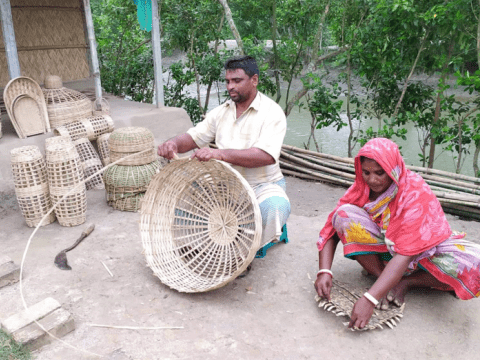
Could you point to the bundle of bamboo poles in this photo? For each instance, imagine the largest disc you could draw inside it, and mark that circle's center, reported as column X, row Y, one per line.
column 458, row 194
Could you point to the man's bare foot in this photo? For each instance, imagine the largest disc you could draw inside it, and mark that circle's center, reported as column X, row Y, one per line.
column 397, row 294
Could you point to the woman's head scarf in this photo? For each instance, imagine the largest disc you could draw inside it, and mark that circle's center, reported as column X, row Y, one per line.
column 417, row 221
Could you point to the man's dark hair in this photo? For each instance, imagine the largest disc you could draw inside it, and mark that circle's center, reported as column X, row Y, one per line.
column 244, row 62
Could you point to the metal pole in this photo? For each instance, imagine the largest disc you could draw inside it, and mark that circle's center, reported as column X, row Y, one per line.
column 157, row 55
column 93, row 52
column 9, row 39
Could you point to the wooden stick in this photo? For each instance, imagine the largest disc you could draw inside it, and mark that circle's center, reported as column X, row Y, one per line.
column 105, row 266
column 328, row 163
column 314, row 153
column 137, row 327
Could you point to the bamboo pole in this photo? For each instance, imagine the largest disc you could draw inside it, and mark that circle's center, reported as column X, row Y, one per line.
column 317, row 174
column 314, row 153
column 327, row 163
column 93, row 51
column 9, row 39
column 157, row 55
column 316, row 167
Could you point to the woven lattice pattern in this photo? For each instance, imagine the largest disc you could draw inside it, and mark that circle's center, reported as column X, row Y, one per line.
column 344, row 296
column 139, row 159
column 126, row 185
column 26, row 107
column 50, row 39
column 31, row 184
column 91, row 163
column 131, row 139
column 200, row 225
column 65, row 172
column 66, row 105
column 91, row 127
column 103, row 149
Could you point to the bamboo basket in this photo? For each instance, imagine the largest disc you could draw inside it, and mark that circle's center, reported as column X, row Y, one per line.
column 31, row 184
column 65, row 172
column 26, row 107
column 91, row 127
column 91, row 163
column 101, row 107
column 103, row 150
column 64, row 105
column 124, row 182
column 200, row 225
column 130, row 140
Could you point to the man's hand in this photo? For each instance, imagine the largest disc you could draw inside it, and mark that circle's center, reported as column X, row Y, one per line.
column 205, row 154
column 361, row 313
column 167, row 150
column 323, row 285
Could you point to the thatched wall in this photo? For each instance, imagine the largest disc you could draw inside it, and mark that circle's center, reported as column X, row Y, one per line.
column 51, row 39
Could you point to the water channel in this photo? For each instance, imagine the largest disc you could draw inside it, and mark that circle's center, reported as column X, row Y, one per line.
column 334, row 142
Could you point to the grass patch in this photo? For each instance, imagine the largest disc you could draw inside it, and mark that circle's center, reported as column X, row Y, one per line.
column 10, row 350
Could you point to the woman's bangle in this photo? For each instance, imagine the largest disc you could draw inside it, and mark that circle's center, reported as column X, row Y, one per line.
column 371, row 298
column 328, row 271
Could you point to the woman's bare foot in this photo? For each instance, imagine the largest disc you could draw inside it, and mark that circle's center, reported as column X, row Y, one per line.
column 397, row 294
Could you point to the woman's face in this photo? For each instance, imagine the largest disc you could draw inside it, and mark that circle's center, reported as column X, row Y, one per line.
column 376, row 178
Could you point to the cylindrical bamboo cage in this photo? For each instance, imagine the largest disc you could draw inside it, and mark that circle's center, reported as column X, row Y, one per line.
column 90, row 127
column 128, row 182
column 65, row 172
column 31, row 184
column 129, row 140
column 64, row 105
column 103, row 149
column 200, row 225
column 91, row 163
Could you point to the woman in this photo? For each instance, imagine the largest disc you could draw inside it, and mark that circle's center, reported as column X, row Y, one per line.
column 394, row 226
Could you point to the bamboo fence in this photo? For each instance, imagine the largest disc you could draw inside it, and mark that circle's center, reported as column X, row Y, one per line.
column 458, row 194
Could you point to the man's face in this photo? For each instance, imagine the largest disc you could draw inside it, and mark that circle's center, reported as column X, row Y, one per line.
column 240, row 86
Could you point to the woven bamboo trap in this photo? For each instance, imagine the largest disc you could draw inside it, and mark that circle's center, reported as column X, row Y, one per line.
column 90, row 127
column 26, row 107
column 103, row 149
column 91, row 163
column 200, row 225
column 64, row 105
column 65, row 172
column 126, row 185
column 343, row 297
column 31, row 184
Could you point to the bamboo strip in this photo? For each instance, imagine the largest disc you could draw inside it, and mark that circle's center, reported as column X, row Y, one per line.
column 316, row 167
column 318, row 175
column 349, row 169
column 314, row 153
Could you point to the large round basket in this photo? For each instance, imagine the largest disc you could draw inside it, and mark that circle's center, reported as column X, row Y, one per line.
column 200, row 225
column 130, row 140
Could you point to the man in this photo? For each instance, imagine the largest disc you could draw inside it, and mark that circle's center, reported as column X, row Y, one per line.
column 248, row 130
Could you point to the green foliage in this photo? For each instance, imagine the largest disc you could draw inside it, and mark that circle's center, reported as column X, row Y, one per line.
column 175, row 94
column 10, row 350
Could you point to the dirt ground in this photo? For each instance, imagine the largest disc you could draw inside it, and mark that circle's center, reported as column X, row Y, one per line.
column 269, row 314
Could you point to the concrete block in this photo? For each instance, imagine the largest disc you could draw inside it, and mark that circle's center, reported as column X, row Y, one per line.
column 25, row 317
column 9, row 271
column 58, row 323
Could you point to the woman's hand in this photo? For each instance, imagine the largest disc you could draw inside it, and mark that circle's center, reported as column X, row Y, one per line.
column 361, row 313
column 323, row 285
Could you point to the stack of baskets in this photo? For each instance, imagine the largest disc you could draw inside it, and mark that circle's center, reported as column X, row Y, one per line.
column 126, row 182
column 65, row 176
column 31, row 184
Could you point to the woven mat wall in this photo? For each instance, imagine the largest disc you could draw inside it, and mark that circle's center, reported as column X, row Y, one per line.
column 50, row 38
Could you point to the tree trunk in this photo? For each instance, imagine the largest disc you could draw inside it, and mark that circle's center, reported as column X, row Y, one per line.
column 275, row 54
column 349, row 115
column 215, row 51
column 475, row 161
column 397, row 107
column 231, row 23
column 431, row 154
column 311, row 66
